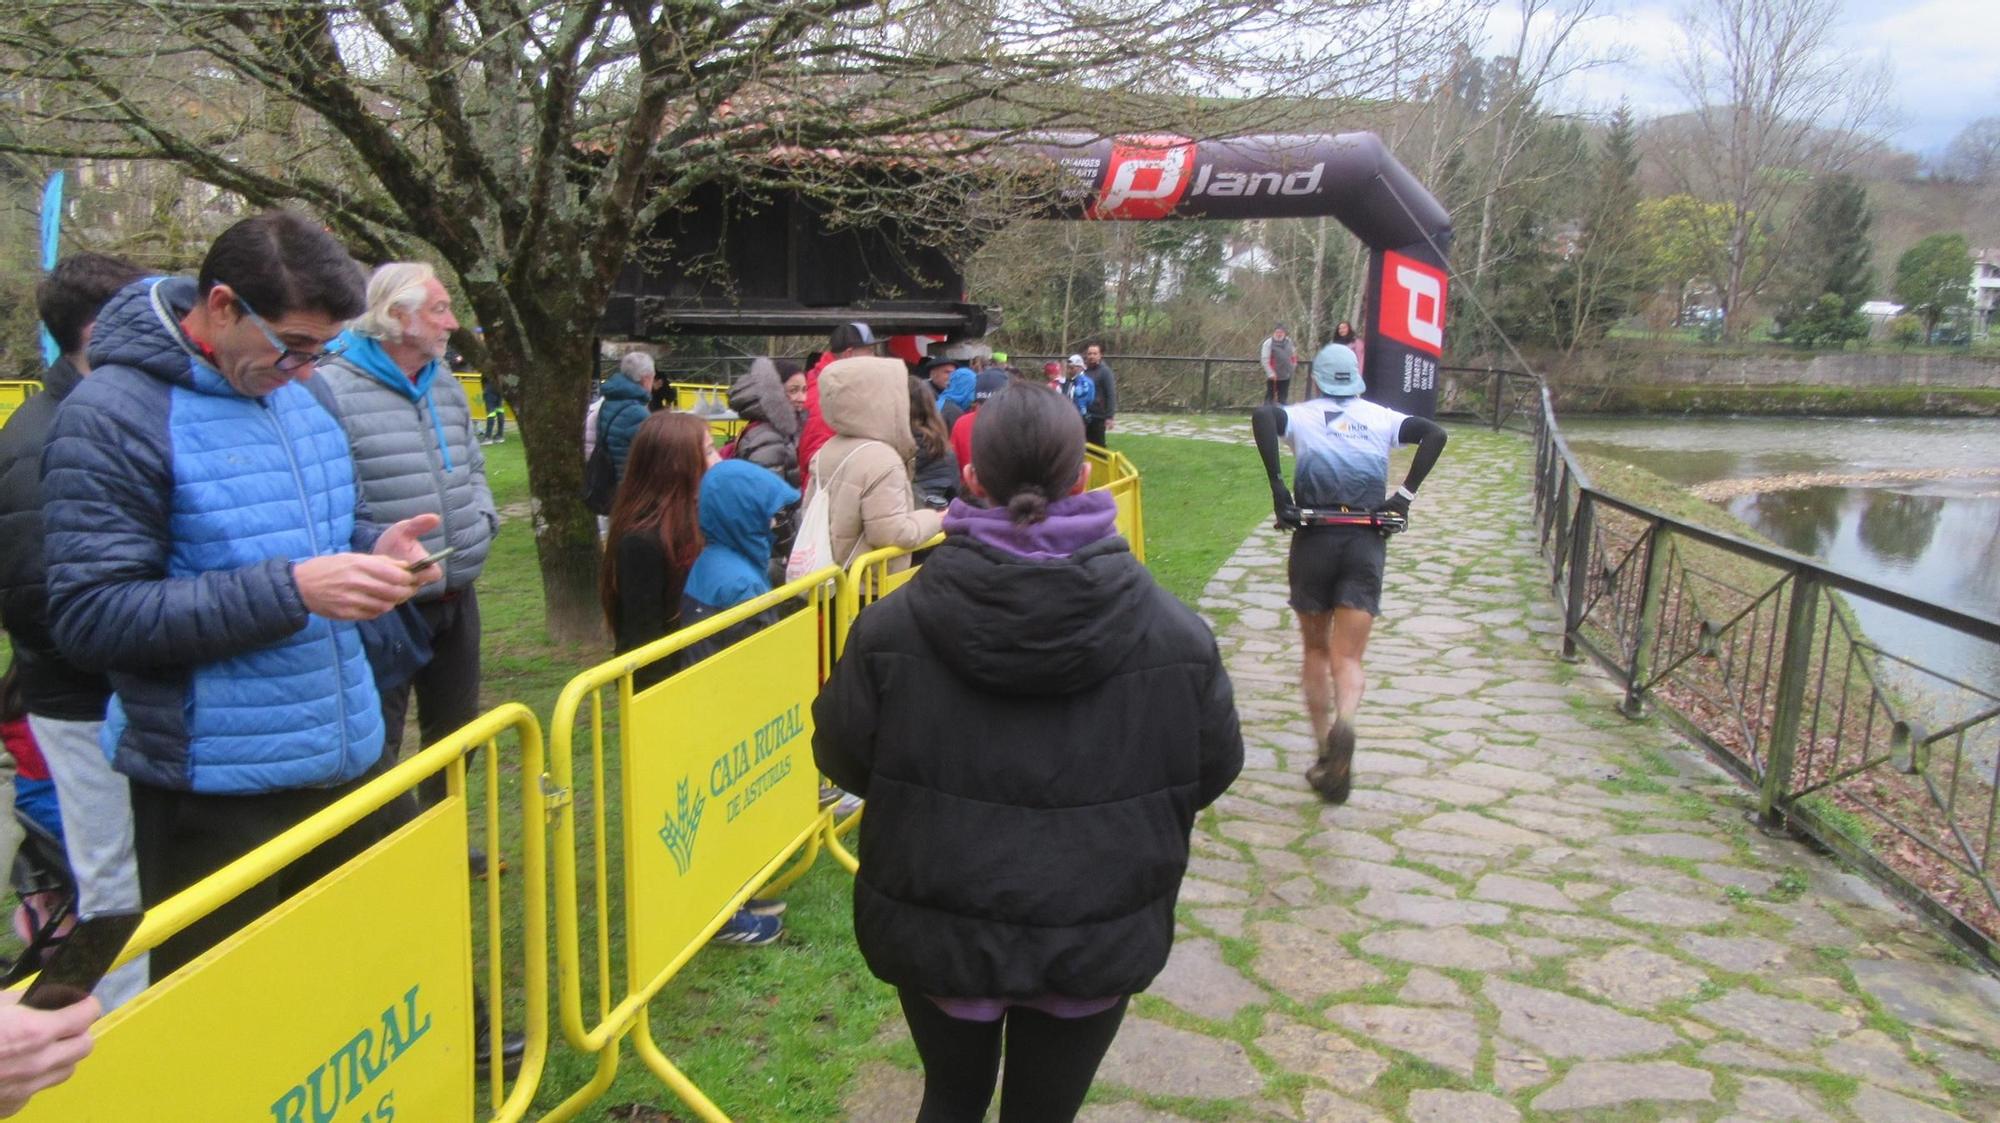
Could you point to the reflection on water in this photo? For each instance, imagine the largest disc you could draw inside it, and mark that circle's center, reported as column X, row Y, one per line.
column 1897, row 527
column 1939, row 539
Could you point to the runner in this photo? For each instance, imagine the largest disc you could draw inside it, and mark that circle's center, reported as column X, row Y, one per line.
column 1341, row 443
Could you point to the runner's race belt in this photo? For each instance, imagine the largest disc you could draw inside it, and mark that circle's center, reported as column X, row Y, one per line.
column 1385, row 522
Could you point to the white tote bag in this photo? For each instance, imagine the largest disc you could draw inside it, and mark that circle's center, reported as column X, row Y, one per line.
column 812, row 550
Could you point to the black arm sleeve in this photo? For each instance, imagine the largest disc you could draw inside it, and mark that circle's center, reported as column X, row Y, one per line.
column 1429, row 437
column 1221, row 734
column 643, row 610
column 1267, row 424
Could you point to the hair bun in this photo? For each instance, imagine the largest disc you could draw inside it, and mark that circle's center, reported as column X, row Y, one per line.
column 1029, row 505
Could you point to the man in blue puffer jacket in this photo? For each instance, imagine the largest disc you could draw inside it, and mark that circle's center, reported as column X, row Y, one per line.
column 207, row 549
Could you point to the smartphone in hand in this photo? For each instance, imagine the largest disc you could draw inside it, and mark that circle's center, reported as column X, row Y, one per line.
column 81, row 960
column 432, row 559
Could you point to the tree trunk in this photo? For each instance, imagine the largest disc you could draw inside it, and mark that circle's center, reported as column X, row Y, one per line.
column 555, row 387
column 1732, row 292
column 1119, row 239
column 1069, row 287
column 1313, row 334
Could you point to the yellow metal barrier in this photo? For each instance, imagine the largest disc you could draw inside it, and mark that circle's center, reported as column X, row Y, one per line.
column 380, row 1026
column 351, row 1001
column 1114, row 472
column 474, row 385
column 711, row 400
column 716, row 783
column 13, row 393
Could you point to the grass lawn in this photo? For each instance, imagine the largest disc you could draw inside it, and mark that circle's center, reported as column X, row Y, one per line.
column 777, row 1033
column 1202, row 499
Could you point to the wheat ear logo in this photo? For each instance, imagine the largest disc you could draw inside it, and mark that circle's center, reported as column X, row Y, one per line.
column 681, row 826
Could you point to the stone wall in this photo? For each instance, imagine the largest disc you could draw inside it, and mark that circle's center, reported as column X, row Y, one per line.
column 1859, row 370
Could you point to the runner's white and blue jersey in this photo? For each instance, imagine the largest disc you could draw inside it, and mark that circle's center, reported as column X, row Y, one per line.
column 1341, row 448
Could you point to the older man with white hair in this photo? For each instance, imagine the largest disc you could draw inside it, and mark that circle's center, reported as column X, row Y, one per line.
column 415, row 451
column 627, row 400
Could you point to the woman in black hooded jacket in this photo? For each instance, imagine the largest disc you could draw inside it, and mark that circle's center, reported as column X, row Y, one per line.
column 1034, row 723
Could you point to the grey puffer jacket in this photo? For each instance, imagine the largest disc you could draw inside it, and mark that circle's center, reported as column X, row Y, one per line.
column 415, row 451
column 772, row 439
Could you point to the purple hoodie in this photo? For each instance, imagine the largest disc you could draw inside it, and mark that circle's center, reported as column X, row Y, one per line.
column 1073, row 522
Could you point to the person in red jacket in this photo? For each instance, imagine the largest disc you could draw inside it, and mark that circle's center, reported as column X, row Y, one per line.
column 849, row 340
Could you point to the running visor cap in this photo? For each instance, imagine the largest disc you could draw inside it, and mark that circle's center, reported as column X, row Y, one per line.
column 1337, row 371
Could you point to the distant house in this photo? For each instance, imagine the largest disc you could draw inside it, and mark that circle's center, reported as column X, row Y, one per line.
column 1244, row 256
column 1985, row 291
column 1879, row 313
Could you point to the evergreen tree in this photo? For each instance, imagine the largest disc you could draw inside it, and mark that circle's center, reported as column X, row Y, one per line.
column 1617, row 202
column 1831, row 257
column 1605, row 276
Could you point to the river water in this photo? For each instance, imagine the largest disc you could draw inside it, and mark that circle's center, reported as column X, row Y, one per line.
column 1938, row 539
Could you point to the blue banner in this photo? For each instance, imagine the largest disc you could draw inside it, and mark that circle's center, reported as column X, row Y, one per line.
column 51, row 236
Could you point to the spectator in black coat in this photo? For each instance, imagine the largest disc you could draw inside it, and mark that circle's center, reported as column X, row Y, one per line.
column 1103, row 411
column 65, row 705
column 1034, row 723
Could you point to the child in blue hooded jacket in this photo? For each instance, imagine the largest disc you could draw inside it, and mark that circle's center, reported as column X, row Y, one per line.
column 737, row 503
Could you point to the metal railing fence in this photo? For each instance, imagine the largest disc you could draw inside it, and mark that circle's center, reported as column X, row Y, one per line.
column 1755, row 652
column 1187, row 383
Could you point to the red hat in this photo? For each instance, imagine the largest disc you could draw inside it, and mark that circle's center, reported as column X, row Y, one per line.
column 1052, row 368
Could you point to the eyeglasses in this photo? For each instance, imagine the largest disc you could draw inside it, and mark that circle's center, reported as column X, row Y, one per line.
column 288, row 359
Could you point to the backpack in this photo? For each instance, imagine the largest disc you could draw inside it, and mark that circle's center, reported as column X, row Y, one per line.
column 812, row 548
column 600, row 478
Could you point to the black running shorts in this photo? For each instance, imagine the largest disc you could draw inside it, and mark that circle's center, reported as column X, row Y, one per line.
column 1337, row 567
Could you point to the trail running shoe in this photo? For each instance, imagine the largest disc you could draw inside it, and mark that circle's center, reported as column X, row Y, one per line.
column 764, row 906
column 1333, row 775
column 748, row 930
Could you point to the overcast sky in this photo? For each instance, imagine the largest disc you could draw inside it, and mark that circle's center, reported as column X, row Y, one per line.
column 1944, row 57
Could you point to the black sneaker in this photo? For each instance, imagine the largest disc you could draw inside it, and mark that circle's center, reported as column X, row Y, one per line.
column 513, row 1044
column 1333, row 775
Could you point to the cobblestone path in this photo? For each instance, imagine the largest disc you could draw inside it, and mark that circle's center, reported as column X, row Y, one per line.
column 1531, row 908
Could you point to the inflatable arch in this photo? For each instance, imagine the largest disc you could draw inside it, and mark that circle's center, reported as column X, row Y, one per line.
column 1350, row 177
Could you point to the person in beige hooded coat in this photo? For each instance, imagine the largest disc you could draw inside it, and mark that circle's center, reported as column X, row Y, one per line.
column 866, row 466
